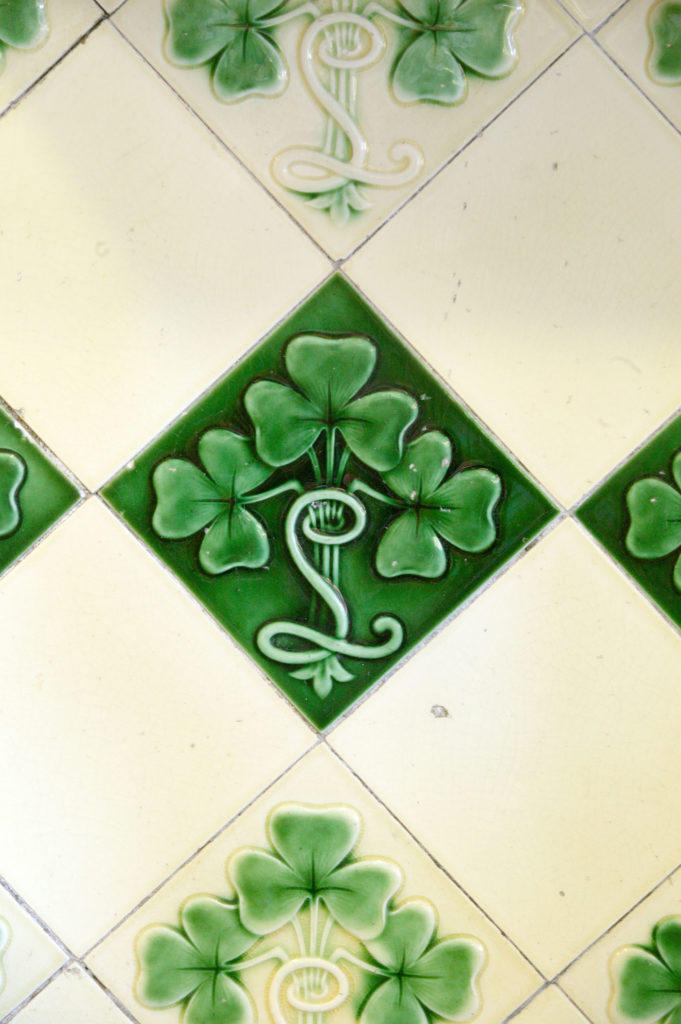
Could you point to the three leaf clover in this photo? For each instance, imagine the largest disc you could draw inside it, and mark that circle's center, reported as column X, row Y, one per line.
column 447, row 36
column 664, row 58
column 311, row 862
column 655, row 511
column 196, row 964
column 23, row 24
column 12, row 476
column 422, row 978
column 646, row 983
column 328, row 373
column 458, row 510
column 188, row 500
column 236, row 36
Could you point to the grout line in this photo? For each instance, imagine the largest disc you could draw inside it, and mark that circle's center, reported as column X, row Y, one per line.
column 572, row 1001
column 36, row 992
column 530, row 999
column 17, row 416
column 35, row 917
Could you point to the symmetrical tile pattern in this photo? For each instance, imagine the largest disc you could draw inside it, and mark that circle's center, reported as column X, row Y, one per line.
column 340, row 505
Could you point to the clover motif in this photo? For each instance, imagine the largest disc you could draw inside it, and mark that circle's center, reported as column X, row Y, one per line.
column 422, row 978
column 458, row 510
column 646, row 981
column 655, row 513
column 12, row 477
column 23, row 24
column 664, row 57
column 446, row 38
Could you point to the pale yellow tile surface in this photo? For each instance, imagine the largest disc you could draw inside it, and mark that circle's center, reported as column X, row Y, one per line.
column 131, row 242
column 129, row 717
column 627, row 38
column 72, row 998
column 547, row 296
column 68, row 21
column 28, row 956
column 590, row 13
column 542, row 677
column 506, row 980
column 296, row 120
column 550, row 1007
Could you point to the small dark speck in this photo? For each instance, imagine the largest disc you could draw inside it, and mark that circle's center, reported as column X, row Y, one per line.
column 555, row 165
column 438, row 711
column 465, row 206
column 560, row 892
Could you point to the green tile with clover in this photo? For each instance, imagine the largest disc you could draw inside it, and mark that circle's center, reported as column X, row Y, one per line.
column 34, row 493
column 636, row 515
column 329, row 502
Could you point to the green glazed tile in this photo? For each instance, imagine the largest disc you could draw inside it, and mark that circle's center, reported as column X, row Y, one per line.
column 664, row 58
column 33, row 493
column 329, row 502
column 23, row 25
column 646, row 979
column 636, row 514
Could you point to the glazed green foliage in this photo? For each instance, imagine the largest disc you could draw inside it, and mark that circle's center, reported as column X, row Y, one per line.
column 23, row 24
column 655, row 513
column 664, row 58
column 646, row 982
column 12, row 476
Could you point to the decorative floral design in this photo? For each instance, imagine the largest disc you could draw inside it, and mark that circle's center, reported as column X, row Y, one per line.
column 442, row 40
column 655, row 511
column 646, row 980
column 309, row 888
column 12, row 477
column 326, row 415
column 664, row 57
column 5, row 935
column 23, row 25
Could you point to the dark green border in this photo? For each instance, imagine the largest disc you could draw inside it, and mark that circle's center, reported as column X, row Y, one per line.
column 243, row 600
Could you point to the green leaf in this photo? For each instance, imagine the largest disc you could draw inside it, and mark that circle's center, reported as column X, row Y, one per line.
column 393, row 1002
column 250, row 64
column 186, row 499
column 428, row 70
column 219, row 1000
column 314, row 840
column 198, row 29
column 644, row 989
column 667, row 939
column 443, row 979
column 655, row 510
column 422, row 12
column 462, row 509
column 664, row 59
column 677, row 573
column 170, row 967
column 23, row 23
column 12, row 477
column 270, row 893
column 330, row 371
column 422, row 469
column 374, row 427
column 231, row 462
column 357, row 895
column 235, row 540
column 406, row 935
column 483, row 39
column 410, row 546
column 215, row 929
column 286, row 424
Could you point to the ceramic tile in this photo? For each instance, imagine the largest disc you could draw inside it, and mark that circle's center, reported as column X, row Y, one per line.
column 539, row 287
column 33, row 40
column 28, row 956
column 647, row 938
column 512, row 719
column 72, row 998
column 34, row 493
column 329, row 502
column 550, row 1007
column 637, row 37
column 395, row 899
column 343, row 144
column 591, row 13
column 121, row 295
column 634, row 514
column 131, row 725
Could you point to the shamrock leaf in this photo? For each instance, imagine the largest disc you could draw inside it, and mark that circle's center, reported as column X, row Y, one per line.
column 189, row 500
column 312, row 846
column 23, row 23
column 12, row 476
column 329, row 372
column 664, row 58
column 422, row 977
column 235, row 36
column 460, row 510
column 655, row 511
column 646, row 983
column 448, row 36
column 196, row 963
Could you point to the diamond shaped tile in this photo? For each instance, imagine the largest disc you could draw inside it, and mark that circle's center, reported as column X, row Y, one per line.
column 329, row 502
column 71, row 998
column 28, row 956
column 342, row 138
column 635, row 515
column 34, row 493
column 550, row 1007
column 352, row 889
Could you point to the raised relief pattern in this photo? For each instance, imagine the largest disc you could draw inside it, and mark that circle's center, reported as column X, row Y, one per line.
column 324, row 924
column 664, row 57
column 646, row 979
column 655, row 519
column 12, row 477
column 23, row 25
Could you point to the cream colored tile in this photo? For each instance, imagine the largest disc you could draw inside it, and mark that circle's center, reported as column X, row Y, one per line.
column 72, row 998
column 590, row 13
column 68, row 20
column 588, row 980
column 257, row 129
column 505, row 982
column 135, row 726
column 550, row 1007
column 546, row 295
column 537, row 792
column 137, row 259
column 627, row 38
column 27, row 954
